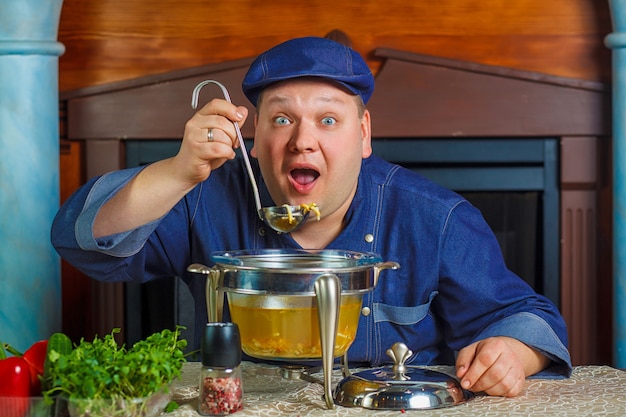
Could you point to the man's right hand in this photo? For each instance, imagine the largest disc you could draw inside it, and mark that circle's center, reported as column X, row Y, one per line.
column 159, row 186
column 197, row 156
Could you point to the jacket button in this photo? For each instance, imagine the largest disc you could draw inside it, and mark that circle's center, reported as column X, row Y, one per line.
column 262, row 231
column 369, row 238
column 366, row 311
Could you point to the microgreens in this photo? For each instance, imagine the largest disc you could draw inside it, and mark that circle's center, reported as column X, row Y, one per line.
column 102, row 369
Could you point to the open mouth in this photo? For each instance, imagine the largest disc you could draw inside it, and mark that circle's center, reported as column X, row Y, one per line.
column 303, row 177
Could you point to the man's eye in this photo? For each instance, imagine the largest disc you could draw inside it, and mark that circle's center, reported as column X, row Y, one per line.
column 328, row 121
column 281, row 120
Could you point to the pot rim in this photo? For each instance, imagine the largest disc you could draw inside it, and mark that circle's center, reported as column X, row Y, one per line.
column 290, row 260
column 295, row 271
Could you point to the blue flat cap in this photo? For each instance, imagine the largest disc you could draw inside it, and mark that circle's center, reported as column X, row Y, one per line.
column 309, row 57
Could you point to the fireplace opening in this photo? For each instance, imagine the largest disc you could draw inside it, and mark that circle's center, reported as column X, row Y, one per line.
column 514, row 219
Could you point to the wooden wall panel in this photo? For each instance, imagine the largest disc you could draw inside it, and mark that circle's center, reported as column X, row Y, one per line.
column 112, row 40
column 578, row 270
column 579, row 248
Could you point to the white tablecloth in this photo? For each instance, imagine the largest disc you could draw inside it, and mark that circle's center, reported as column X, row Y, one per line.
column 591, row 391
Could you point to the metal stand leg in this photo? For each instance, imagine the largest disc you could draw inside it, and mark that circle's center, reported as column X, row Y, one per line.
column 328, row 291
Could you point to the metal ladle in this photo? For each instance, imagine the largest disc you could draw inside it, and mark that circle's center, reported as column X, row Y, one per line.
column 283, row 219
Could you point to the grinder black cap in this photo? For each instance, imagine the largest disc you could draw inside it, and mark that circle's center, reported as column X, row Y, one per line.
column 221, row 345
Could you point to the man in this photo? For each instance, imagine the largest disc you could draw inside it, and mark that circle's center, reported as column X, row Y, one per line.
column 452, row 301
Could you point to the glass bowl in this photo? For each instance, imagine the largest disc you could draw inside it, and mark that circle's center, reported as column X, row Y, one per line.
column 283, row 327
column 151, row 406
column 24, row 407
column 272, row 297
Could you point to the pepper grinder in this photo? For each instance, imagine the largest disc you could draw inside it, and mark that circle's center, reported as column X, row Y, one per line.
column 221, row 390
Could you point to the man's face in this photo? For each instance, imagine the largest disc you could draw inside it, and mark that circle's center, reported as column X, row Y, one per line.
column 310, row 142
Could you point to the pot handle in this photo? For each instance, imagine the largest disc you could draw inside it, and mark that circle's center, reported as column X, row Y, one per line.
column 382, row 266
column 214, row 296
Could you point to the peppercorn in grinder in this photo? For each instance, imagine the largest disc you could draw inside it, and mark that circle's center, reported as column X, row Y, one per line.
column 221, row 390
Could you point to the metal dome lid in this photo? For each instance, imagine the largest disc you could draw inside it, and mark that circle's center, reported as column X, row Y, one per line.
column 400, row 387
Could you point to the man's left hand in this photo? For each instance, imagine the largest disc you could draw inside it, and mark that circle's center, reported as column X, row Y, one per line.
column 498, row 366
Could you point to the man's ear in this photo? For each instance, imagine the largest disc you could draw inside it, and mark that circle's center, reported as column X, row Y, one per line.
column 366, row 134
column 253, row 149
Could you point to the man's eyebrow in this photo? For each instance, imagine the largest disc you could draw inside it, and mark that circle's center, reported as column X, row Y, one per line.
column 276, row 100
column 331, row 99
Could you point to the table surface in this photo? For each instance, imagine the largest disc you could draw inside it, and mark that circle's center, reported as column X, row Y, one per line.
column 591, row 391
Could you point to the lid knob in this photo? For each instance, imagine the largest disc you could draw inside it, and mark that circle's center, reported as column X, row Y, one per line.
column 399, row 353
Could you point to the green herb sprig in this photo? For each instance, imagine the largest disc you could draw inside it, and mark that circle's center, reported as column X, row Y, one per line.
column 102, row 369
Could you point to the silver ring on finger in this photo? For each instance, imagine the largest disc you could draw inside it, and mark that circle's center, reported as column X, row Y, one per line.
column 209, row 135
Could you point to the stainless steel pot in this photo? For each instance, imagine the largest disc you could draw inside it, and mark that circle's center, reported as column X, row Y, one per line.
column 292, row 304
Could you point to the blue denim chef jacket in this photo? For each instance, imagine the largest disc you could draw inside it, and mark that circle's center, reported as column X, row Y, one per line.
column 452, row 287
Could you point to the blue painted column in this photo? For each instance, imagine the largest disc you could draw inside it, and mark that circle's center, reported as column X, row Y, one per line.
column 617, row 42
column 30, row 283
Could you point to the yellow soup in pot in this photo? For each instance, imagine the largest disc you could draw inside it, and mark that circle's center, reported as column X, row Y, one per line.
column 287, row 327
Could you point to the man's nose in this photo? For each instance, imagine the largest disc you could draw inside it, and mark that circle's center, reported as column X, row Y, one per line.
column 303, row 139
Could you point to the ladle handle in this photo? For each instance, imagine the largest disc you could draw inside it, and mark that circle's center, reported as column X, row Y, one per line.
column 244, row 151
column 328, row 295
